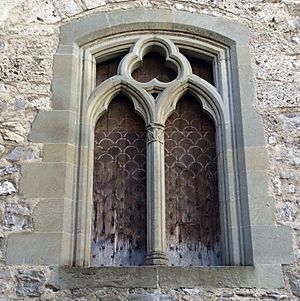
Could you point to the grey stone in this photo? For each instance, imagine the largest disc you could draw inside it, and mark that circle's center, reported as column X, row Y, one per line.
column 291, row 121
column 2, row 150
column 38, row 248
column 84, row 30
column 148, row 277
column 53, row 127
column 7, row 188
column 20, row 104
column 8, row 170
column 30, row 283
column 5, row 282
column 150, row 297
column 18, row 217
column 53, row 215
column 64, row 82
column 59, row 153
column 211, row 27
column 50, row 180
column 191, row 291
column 271, row 244
column 295, row 286
column 23, row 153
column 120, row 277
column 287, row 211
column 228, row 295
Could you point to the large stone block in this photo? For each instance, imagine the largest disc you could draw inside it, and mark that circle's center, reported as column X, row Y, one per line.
column 260, row 206
column 142, row 18
column 59, row 152
column 147, row 277
column 72, row 278
column 46, row 180
column 272, row 245
column 65, row 88
column 53, row 215
column 53, row 127
column 83, row 30
column 38, row 248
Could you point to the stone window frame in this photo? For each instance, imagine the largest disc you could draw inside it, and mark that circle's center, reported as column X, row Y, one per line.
column 253, row 247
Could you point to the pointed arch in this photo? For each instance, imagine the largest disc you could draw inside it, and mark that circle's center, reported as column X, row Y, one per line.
column 206, row 94
column 102, row 95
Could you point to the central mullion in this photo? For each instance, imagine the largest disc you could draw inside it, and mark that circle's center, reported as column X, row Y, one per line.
column 156, row 240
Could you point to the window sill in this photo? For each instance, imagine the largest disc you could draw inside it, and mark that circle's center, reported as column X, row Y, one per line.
column 260, row 276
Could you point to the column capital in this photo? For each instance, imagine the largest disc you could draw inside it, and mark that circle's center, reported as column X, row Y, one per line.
column 155, row 132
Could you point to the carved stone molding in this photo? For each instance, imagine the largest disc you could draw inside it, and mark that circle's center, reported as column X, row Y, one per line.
column 155, row 132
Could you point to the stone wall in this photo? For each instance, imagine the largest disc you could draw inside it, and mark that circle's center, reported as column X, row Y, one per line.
column 29, row 32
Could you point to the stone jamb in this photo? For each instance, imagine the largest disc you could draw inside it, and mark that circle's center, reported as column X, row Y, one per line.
column 248, row 237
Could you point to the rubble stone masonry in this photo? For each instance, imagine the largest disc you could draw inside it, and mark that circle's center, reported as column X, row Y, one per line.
column 29, row 36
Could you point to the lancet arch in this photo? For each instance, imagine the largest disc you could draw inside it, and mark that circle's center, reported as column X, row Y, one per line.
column 100, row 98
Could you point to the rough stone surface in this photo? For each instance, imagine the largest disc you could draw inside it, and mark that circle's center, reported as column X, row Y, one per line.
column 29, row 33
column 20, row 153
column 30, row 283
column 8, row 170
column 7, row 188
column 18, row 217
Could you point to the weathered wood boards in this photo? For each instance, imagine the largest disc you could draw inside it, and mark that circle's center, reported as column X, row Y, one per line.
column 119, row 229
column 192, row 208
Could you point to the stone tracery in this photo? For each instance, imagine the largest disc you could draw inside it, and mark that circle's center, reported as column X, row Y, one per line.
column 156, row 243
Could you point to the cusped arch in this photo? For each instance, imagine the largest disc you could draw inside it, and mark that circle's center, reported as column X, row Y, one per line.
column 206, row 93
column 102, row 95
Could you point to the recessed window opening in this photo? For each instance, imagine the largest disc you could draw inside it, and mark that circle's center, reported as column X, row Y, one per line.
column 119, row 197
column 192, row 206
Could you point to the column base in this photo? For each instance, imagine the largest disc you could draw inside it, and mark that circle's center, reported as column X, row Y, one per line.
column 156, row 258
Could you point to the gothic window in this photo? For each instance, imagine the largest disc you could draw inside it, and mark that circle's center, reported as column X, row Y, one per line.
column 162, row 64
column 186, row 191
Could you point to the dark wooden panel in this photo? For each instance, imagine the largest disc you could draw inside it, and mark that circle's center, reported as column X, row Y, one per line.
column 192, row 208
column 119, row 228
column 202, row 68
column 107, row 69
column 154, row 66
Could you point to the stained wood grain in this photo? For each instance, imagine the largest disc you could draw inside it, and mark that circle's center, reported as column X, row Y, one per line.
column 119, row 228
column 202, row 68
column 192, row 208
column 107, row 69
